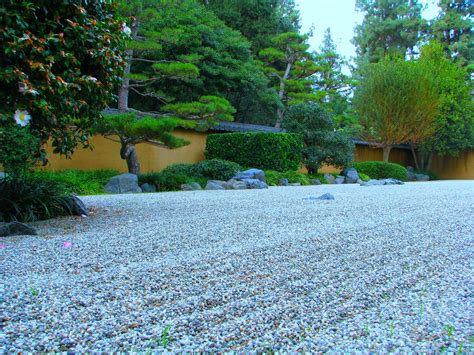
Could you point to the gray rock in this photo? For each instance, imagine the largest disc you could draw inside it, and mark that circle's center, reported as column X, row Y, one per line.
column 283, row 182
column 411, row 173
column 2, row 175
column 295, row 184
column 186, row 187
column 213, row 186
column 123, row 184
column 236, row 184
column 340, row 179
column 326, row 196
column 146, row 187
column 223, row 184
column 330, row 178
column 422, row 177
column 255, row 184
column 315, row 182
column 76, row 207
column 351, row 176
column 196, row 186
column 16, row 228
column 250, row 174
column 380, row 182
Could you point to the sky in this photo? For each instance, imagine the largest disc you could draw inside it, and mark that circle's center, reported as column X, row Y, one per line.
column 341, row 17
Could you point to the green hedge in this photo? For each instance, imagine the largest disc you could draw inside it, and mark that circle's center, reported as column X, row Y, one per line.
column 276, row 151
column 382, row 170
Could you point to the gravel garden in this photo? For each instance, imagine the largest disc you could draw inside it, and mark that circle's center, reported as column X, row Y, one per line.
column 379, row 268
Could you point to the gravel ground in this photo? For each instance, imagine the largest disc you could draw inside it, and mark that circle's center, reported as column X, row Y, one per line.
column 383, row 268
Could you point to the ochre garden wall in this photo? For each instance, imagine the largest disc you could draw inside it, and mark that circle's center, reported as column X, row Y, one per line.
column 105, row 155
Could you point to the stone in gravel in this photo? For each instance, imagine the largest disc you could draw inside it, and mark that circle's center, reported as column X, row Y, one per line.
column 250, row 174
column 315, row 182
column 389, row 181
column 236, row 184
column 340, row 180
column 196, row 186
column 326, row 196
column 76, row 207
column 330, row 178
column 213, row 186
column 351, row 176
column 146, row 187
column 255, row 184
column 283, row 182
column 392, row 181
column 221, row 183
column 123, row 184
column 16, row 228
column 186, row 187
column 422, row 177
column 295, row 184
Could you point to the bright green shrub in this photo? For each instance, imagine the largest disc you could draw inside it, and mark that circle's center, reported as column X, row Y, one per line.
column 273, row 177
column 382, row 170
column 217, row 169
column 276, row 151
column 364, row 177
column 78, row 182
column 180, row 169
column 25, row 199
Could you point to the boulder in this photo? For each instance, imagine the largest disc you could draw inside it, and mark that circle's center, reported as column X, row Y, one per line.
column 223, row 184
column 389, row 181
column 295, row 184
column 283, row 182
column 255, row 184
column 186, row 187
column 236, row 184
column 76, row 207
column 16, row 228
column 123, row 184
column 326, row 196
column 213, row 186
column 421, row 177
column 250, row 174
column 146, row 187
column 315, row 182
column 340, row 179
column 411, row 173
column 351, row 176
column 195, row 186
column 330, row 178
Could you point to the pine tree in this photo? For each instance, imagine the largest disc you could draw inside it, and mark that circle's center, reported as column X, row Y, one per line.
column 390, row 27
column 146, row 69
column 290, row 65
column 453, row 28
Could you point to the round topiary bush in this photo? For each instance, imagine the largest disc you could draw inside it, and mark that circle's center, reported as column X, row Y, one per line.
column 217, row 169
column 382, row 170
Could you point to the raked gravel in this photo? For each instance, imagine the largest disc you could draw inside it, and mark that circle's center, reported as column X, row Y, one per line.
column 382, row 268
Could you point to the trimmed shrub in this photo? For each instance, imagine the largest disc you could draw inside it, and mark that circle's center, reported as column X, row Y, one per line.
column 382, row 170
column 25, row 199
column 180, row 169
column 217, row 169
column 77, row 182
column 276, row 151
column 165, row 180
column 364, row 177
column 273, row 177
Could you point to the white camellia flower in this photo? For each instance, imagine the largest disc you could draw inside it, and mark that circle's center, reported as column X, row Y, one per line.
column 127, row 30
column 22, row 117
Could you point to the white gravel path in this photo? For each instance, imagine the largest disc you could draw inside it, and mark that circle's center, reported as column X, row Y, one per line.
column 383, row 268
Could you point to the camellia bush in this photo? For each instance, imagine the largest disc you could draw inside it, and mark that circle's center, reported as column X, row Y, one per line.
column 60, row 64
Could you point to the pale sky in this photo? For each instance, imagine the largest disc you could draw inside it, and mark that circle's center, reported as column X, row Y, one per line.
column 342, row 17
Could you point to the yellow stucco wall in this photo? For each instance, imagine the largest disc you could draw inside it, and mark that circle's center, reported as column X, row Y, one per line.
column 105, row 155
column 460, row 167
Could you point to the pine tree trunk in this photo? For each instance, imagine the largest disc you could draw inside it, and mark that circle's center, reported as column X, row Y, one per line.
column 281, row 95
column 124, row 88
column 386, row 153
column 129, row 153
column 428, row 163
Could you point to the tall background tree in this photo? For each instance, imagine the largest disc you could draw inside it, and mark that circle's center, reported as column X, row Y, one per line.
column 453, row 28
column 390, row 27
column 59, row 68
